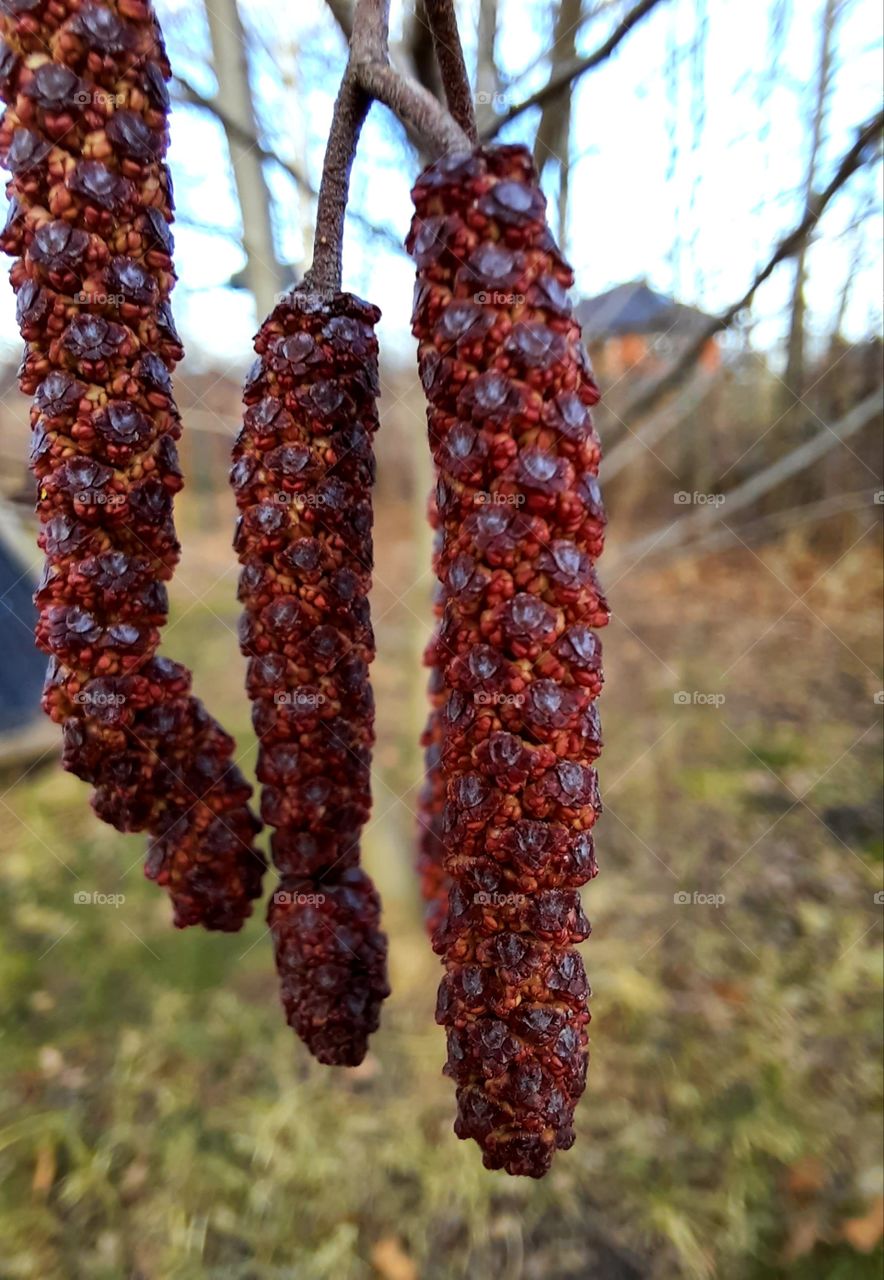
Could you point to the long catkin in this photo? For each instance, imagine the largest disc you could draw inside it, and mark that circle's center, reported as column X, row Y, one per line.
column 302, row 474
column 84, row 135
column 510, row 391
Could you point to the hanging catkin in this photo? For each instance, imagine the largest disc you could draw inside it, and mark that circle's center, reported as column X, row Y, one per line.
column 84, row 134
column 510, row 390
column 302, row 474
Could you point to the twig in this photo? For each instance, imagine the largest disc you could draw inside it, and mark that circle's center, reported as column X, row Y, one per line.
column 788, row 246
column 414, row 105
column 572, row 70
column 192, row 95
column 351, row 108
column 757, row 485
column 368, row 75
column 452, row 68
column 763, row 526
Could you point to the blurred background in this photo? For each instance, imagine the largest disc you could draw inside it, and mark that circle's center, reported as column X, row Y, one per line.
column 159, row 1119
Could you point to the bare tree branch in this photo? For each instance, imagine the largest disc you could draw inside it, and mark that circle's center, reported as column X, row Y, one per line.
column 452, row 68
column 351, row 108
column 189, row 93
column 852, row 160
column 705, row 517
column 571, row 71
column 657, row 426
column 409, row 101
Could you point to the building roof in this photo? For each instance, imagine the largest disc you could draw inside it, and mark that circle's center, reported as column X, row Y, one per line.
column 637, row 308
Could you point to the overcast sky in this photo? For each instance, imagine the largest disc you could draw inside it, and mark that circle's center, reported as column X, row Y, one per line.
column 706, row 72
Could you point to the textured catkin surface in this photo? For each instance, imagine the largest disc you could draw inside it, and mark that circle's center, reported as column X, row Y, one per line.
column 510, row 389
column 434, row 880
column 84, row 134
column 302, row 474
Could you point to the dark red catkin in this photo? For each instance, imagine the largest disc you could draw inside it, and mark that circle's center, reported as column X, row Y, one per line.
column 434, row 880
column 510, row 390
column 302, row 474
column 84, row 134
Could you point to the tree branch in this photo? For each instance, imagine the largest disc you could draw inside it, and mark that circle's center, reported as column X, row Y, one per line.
column 191, row 94
column 762, row 482
column 414, row 105
column 573, row 70
column 452, row 68
column 788, row 246
column 351, row 108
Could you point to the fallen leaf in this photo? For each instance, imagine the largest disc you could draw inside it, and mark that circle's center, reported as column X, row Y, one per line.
column 864, row 1233
column 391, row 1261
column 806, row 1177
column 44, row 1170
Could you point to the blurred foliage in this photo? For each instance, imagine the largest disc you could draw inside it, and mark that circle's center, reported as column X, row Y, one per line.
column 160, row 1121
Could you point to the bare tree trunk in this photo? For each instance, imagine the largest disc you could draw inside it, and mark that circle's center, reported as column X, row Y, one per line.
column 795, row 377
column 264, row 274
column 551, row 144
column 487, row 78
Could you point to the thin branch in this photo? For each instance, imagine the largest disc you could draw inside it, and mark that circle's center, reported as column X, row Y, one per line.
column 763, row 526
column 573, row 70
column 852, row 160
column 368, row 75
column 414, row 106
column 409, row 101
column 757, row 485
column 659, row 425
column 351, row 108
column 452, row 68
column 235, row 130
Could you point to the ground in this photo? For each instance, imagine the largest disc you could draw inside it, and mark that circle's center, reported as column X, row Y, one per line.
column 161, row 1122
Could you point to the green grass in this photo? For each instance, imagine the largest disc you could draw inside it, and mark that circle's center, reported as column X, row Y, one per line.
column 160, row 1121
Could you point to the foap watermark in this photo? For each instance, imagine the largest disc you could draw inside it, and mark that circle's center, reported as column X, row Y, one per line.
column 301, row 698
column 98, row 498
column 306, row 297
column 498, row 298
column 484, row 699
column 697, row 698
column 685, row 499
column 283, row 898
column 99, row 698
column 499, row 101
column 879, row 698
column 878, row 497
column 499, row 499
column 87, row 299
column 879, row 898
column 500, row 899
column 84, row 898
column 697, row 899
column 98, row 98
column 283, row 499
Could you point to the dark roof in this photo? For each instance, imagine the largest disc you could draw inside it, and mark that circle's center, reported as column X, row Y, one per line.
column 23, row 666
column 637, row 308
